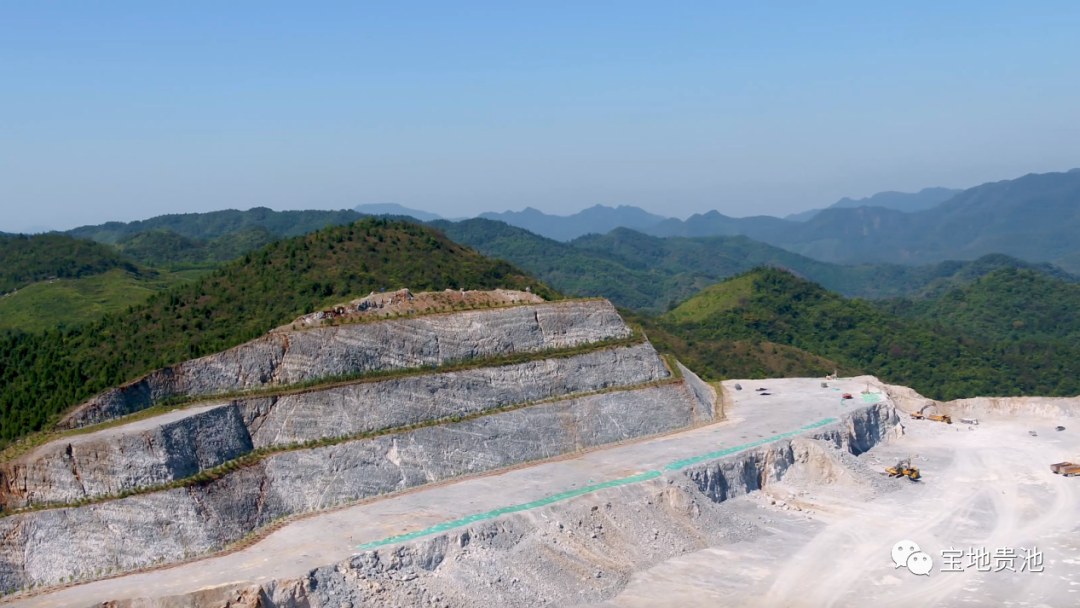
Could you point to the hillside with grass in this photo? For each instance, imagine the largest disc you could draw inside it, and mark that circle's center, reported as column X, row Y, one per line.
column 42, row 257
column 770, row 306
column 44, row 373
column 1007, row 304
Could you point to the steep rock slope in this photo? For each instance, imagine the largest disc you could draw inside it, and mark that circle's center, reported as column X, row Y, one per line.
column 181, row 443
column 292, row 357
column 371, row 437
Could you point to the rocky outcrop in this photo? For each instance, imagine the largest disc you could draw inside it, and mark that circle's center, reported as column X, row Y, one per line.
column 582, row 550
column 179, row 444
column 46, row 546
column 371, row 406
column 141, row 454
column 292, row 357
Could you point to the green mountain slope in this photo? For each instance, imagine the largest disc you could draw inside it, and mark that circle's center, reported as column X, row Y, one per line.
column 29, row 259
column 1007, row 304
column 162, row 248
column 206, row 226
column 67, row 302
column 773, row 306
column 645, row 272
column 42, row 374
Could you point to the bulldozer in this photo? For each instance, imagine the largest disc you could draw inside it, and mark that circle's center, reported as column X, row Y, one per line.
column 903, row 469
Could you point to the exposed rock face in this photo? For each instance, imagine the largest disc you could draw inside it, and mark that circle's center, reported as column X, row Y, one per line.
column 45, row 546
column 371, row 406
column 141, row 454
column 182, row 443
column 291, row 357
column 582, row 550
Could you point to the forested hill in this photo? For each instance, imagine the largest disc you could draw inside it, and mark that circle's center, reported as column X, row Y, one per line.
column 773, row 306
column 206, row 226
column 162, row 248
column 647, row 273
column 29, row 259
column 43, row 374
column 1007, row 304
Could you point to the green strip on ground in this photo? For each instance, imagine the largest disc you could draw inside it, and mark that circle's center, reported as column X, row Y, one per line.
column 871, row 397
column 679, row 464
column 512, row 509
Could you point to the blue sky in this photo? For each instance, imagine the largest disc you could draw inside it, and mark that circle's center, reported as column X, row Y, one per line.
column 121, row 111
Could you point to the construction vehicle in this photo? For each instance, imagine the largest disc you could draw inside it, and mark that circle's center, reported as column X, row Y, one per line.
column 940, row 418
column 903, row 469
column 917, row 416
column 847, row 396
column 1068, row 469
column 971, row 421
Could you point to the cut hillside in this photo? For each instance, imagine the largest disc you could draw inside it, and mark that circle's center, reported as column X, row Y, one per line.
column 302, row 421
column 1007, row 304
column 41, row 257
column 782, row 309
column 43, row 374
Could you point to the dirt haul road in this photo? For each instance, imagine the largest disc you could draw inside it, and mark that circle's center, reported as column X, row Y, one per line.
column 819, row 537
column 990, row 487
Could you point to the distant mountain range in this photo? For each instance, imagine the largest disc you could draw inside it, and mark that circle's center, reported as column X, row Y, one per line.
column 597, row 219
column 1035, row 218
column 397, row 210
column 926, row 198
column 646, row 272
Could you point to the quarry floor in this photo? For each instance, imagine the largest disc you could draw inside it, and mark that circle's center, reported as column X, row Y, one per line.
column 988, row 487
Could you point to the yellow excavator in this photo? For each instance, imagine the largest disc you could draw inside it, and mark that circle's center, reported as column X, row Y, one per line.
column 904, row 469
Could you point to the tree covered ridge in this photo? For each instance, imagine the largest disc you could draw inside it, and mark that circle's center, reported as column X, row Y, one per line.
column 782, row 309
column 29, row 259
column 1007, row 304
column 43, row 374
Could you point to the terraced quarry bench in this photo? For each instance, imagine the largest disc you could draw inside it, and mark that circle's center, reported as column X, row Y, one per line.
column 191, row 481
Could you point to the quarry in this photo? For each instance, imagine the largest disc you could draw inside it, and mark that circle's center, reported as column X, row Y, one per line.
column 493, row 449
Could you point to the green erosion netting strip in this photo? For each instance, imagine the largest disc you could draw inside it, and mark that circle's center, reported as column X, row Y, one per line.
column 871, row 397
column 512, row 509
column 681, row 464
column 443, row 527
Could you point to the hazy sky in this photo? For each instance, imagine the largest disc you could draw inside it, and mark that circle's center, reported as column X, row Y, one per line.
column 128, row 110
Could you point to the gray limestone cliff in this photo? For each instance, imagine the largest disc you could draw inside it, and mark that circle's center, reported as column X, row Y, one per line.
column 46, row 546
column 296, row 356
column 181, row 443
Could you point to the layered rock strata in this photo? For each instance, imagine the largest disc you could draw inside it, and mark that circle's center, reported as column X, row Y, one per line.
column 158, row 450
column 290, row 357
column 580, row 551
column 48, row 546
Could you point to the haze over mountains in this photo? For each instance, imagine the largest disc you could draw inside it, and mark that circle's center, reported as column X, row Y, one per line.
column 927, row 198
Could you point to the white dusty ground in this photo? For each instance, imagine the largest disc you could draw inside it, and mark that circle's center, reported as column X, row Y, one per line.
column 988, row 487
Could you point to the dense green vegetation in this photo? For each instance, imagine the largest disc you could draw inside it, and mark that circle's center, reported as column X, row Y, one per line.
column 648, row 273
column 206, row 226
column 774, row 306
column 42, row 374
column 162, row 248
column 1007, row 304
column 29, row 259
column 69, row 302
